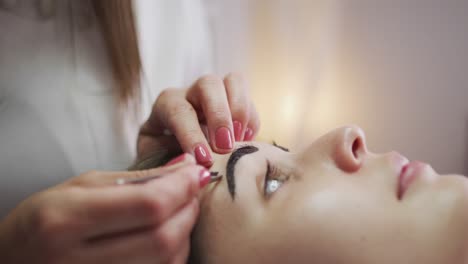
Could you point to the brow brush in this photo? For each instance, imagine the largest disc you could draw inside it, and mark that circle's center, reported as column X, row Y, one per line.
column 214, row 176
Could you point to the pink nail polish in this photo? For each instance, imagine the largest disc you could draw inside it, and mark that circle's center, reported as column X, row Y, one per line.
column 248, row 134
column 237, row 130
column 204, row 177
column 223, row 138
column 175, row 160
column 203, row 155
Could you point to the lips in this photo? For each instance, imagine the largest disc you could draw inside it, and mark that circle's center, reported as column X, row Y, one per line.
column 408, row 175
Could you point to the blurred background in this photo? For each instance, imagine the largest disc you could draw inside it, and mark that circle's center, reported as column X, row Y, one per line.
column 398, row 69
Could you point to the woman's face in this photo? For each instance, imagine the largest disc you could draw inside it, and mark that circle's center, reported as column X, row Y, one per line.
column 333, row 202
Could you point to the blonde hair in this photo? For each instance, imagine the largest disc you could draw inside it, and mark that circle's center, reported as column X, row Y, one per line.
column 117, row 23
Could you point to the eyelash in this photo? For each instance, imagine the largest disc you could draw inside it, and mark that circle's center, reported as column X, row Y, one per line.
column 272, row 175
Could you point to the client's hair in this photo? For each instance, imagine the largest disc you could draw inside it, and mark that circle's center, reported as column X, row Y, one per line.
column 155, row 159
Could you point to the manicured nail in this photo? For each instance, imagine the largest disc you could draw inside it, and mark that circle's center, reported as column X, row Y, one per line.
column 248, row 134
column 203, row 155
column 237, row 130
column 177, row 159
column 204, row 177
column 223, row 138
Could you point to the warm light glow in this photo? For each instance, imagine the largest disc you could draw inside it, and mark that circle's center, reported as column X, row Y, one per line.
column 287, row 111
column 290, row 80
column 282, row 109
column 322, row 112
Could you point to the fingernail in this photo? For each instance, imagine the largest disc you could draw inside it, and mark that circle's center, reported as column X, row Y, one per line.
column 248, row 134
column 203, row 155
column 237, row 130
column 223, row 138
column 176, row 160
column 204, row 177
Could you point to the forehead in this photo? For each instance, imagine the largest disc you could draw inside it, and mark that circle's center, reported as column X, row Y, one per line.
column 265, row 151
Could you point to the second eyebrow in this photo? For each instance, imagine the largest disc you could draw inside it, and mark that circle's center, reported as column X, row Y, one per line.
column 231, row 164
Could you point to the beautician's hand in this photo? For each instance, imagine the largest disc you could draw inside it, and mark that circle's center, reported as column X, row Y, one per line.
column 89, row 219
column 221, row 107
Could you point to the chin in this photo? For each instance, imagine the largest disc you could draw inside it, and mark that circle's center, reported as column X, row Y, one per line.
column 458, row 186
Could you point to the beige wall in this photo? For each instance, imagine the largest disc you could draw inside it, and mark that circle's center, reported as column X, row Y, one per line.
column 399, row 69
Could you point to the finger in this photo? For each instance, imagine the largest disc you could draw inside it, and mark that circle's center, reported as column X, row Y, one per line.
column 108, row 178
column 109, row 210
column 148, row 145
column 209, row 94
column 239, row 103
column 154, row 245
column 151, row 136
column 155, row 125
column 253, row 126
column 178, row 115
column 159, row 159
column 175, row 234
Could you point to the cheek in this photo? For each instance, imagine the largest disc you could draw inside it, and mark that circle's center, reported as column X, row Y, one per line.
column 324, row 219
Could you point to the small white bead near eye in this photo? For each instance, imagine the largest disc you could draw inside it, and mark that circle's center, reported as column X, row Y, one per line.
column 272, row 186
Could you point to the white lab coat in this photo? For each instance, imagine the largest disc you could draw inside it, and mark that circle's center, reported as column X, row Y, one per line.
column 58, row 116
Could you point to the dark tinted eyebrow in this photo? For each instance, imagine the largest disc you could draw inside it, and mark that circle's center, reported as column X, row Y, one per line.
column 231, row 165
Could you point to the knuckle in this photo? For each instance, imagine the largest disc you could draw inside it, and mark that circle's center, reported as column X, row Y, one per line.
column 239, row 100
column 218, row 113
column 240, row 113
column 165, row 99
column 189, row 135
column 208, row 81
column 152, row 206
column 49, row 223
column 234, row 78
column 175, row 110
column 165, row 94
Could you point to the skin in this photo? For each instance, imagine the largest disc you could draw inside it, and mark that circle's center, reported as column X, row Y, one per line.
column 340, row 205
column 88, row 219
column 194, row 115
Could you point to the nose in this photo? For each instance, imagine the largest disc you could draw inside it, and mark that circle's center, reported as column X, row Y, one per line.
column 348, row 148
column 345, row 146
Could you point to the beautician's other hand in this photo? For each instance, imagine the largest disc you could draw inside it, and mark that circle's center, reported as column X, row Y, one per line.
column 89, row 219
column 220, row 106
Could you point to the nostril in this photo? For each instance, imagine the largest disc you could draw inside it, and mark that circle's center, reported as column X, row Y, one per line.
column 357, row 145
column 350, row 151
